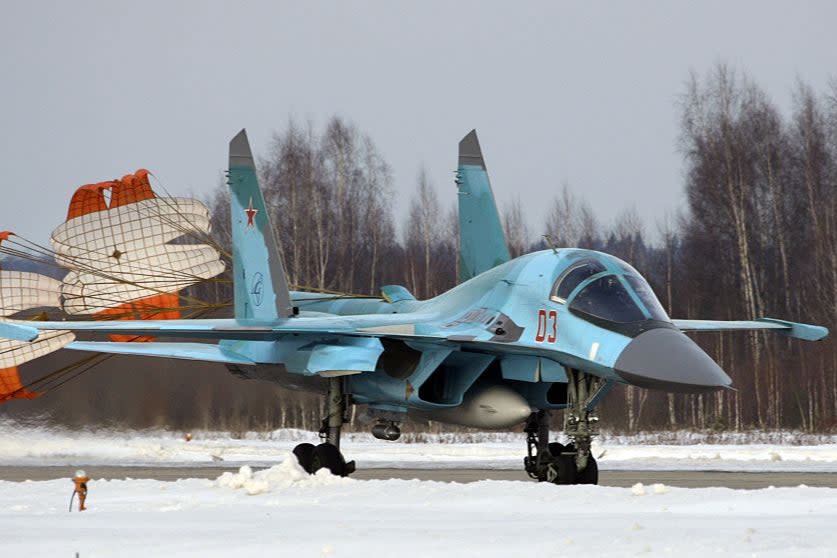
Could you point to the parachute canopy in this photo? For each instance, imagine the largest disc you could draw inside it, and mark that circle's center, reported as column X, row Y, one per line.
column 122, row 252
column 21, row 291
column 128, row 254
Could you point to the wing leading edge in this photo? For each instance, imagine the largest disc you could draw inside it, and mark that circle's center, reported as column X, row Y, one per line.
column 373, row 325
column 806, row 332
column 186, row 351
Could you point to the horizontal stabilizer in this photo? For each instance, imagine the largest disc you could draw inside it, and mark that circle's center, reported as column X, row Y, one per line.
column 186, row 351
column 806, row 332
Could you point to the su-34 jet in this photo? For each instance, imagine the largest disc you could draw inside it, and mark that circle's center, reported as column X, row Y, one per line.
column 554, row 329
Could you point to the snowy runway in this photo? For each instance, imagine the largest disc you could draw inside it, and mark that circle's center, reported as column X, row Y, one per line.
column 33, row 446
column 284, row 512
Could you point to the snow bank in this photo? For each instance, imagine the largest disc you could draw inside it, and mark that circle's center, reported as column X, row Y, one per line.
column 285, row 514
column 640, row 489
column 286, row 474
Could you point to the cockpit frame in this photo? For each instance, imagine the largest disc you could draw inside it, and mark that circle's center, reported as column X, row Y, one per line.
column 616, row 296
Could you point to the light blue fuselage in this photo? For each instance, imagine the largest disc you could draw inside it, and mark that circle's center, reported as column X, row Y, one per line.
column 545, row 332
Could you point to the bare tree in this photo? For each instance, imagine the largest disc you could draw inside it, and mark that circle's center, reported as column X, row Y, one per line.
column 423, row 233
column 516, row 228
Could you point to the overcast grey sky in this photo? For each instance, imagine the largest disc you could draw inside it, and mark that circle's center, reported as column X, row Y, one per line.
column 579, row 93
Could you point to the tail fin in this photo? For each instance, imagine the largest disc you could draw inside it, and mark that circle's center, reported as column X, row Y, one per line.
column 482, row 243
column 261, row 288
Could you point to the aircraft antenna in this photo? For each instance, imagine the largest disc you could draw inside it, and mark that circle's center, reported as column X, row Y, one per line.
column 551, row 244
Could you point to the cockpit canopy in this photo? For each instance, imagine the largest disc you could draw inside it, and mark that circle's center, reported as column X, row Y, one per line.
column 610, row 293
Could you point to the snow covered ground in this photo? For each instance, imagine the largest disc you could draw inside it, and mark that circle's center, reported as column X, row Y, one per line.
column 284, row 512
column 281, row 511
column 30, row 445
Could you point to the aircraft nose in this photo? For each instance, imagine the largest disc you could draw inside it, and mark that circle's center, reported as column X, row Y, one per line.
column 666, row 359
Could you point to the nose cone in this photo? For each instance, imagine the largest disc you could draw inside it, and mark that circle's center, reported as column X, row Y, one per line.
column 666, row 359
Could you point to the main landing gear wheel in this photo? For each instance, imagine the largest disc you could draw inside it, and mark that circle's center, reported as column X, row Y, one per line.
column 304, row 455
column 561, row 470
column 590, row 474
column 327, row 455
column 572, row 463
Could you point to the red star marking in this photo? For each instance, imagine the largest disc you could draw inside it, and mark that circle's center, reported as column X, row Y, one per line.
column 251, row 214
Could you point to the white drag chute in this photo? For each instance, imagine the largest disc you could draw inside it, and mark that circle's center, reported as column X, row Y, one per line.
column 128, row 255
column 21, row 291
column 128, row 258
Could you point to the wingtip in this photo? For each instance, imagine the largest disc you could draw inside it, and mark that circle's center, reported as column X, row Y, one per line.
column 240, row 153
column 470, row 152
column 18, row 332
column 806, row 332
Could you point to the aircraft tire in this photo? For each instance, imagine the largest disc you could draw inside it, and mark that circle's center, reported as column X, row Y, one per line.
column 305, row 456
column 556, row 448
column 562, row 470
column 590, row 474
column 329, row 457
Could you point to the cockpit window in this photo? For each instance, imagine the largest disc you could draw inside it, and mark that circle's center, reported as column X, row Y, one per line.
column 607, row 299
column 648, row 298
column 625, row 266
column 572, row 278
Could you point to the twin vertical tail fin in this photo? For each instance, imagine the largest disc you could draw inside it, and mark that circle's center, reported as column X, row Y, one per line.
column 260, row 284
column 482, row 243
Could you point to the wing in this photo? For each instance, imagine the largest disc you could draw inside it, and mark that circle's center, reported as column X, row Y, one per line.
column 806, row 332
column 373, row 325
column 17, row 332
column 206, row 352
column 325, row 344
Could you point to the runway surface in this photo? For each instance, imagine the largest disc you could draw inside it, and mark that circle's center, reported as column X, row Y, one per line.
column 687, row 479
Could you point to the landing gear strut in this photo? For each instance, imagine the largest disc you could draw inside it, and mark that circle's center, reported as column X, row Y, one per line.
column 572, row 463
column 327, row 454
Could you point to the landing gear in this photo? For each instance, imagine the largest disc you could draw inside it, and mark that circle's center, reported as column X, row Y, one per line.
column 580, row 425
column 327, row 455
column 305, row 455
column 572, row 463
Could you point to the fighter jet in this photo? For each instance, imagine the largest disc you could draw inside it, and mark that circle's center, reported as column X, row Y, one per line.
column 516, row 339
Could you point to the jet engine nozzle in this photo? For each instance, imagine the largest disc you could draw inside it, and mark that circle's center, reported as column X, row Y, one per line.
column 667, row 360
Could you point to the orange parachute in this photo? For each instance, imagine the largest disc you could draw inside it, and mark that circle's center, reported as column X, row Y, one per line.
column 11, row 388
column 21, row 291
column 128, row 256
column 120, row 252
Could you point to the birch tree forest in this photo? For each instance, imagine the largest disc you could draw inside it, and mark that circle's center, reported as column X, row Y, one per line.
column 757, row 237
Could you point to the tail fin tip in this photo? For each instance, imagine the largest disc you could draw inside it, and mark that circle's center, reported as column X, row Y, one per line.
column 470, row 152
column 240, row 154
